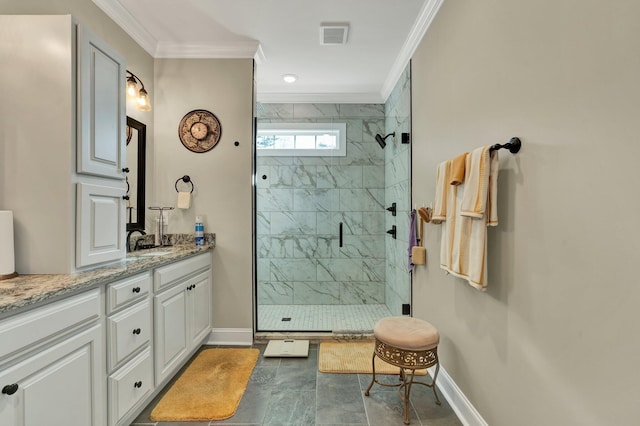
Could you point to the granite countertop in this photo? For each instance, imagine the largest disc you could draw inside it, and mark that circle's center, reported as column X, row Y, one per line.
column 27, row 290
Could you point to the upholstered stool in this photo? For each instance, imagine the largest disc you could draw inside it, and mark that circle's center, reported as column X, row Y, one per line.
column 408, row 343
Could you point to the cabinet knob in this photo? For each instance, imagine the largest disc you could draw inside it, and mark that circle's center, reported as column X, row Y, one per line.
column 10, row 389
column 136, row 289
column 125, row 197
column 190, row 287
column 137, row 385
column 136, row 331
column 125, row 169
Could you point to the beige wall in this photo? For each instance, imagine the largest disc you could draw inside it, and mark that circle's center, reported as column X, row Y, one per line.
column 555, row 339
column 222, row 176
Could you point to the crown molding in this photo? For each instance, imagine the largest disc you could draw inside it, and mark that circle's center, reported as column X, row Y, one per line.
column 319, row 98
column 259, row 57
column 129, row 24
column 236, row 50
column 419, row 29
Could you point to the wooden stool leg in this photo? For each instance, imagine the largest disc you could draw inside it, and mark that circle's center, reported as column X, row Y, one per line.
column 373, row 375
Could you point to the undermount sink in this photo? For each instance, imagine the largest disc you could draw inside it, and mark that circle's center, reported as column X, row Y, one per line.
column 154, row 253
column 138, row 254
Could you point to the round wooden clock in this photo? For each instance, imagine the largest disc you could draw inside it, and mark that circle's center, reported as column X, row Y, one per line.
column 199, row 130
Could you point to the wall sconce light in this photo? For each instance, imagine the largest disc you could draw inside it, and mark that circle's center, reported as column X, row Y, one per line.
column 139, row 96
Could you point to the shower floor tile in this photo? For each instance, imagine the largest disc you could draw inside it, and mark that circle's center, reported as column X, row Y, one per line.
column 333, row 318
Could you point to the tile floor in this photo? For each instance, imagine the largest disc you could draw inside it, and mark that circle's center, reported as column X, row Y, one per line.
column 331, row 318
column 291, row 391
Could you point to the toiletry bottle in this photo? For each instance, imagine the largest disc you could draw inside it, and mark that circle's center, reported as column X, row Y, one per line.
column 199, row 231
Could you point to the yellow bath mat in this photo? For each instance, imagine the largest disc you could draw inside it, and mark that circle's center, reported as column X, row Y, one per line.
column 210, row 388
column 353, row 357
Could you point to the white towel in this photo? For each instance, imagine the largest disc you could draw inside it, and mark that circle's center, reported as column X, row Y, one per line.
column 481, row 189
column 184, row 200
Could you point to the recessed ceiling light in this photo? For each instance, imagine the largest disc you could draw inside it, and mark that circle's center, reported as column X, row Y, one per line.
column 289, row 78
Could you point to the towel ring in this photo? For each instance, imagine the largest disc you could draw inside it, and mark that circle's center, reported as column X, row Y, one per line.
column 185, row 179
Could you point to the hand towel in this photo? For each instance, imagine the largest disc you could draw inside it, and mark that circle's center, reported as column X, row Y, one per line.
column 491, row 214
column 442, row 191
column 458, row 169
column 184, row 200
column 413, row 241
column 474, row 201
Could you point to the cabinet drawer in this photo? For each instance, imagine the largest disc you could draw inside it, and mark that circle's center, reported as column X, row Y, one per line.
column 125, row 292
column 130, row 386
column 29, row 329
column 128, row 331
column 167, row 275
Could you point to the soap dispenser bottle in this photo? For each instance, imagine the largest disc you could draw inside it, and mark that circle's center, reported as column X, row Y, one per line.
column 199, row 231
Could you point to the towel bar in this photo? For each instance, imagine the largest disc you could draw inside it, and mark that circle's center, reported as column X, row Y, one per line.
column 513, row 145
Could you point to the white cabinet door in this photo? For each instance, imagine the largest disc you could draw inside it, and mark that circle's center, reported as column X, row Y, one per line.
column 100, row 224
column 61, row 385
column 101, row 107
column 171, row 343
column 198, row 307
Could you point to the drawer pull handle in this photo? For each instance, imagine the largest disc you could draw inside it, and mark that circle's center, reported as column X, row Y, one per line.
column 136, row 289
column 137, row 385
column 136, row 331
column 10, row 389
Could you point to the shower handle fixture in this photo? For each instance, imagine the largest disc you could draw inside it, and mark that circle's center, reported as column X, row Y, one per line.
column 381, row 140
column 392, row 209
column 392, row 231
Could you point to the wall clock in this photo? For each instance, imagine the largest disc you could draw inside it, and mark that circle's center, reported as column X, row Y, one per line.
column 199, row 130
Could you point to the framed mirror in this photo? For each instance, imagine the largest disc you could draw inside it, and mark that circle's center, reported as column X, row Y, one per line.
column 136, row 155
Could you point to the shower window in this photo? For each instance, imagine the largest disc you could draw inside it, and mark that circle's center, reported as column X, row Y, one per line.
column 302, row 139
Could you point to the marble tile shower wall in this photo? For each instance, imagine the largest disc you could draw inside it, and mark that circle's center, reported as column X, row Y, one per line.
column 302, row 200
column 397, row 189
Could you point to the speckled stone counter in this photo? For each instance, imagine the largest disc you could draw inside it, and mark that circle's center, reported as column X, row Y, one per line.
column 24, row 291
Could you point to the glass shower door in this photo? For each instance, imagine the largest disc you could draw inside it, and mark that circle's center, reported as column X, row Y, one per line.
column 320, row 226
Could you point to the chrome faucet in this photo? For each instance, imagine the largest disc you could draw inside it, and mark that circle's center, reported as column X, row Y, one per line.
column 160, row 231
column 128, row 242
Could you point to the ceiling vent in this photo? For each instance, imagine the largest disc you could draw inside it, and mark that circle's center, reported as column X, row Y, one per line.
column 332, row 34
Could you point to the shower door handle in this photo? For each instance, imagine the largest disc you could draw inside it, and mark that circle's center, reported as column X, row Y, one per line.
column 340, row 231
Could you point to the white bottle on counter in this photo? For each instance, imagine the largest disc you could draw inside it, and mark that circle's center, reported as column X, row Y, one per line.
column 199, row 231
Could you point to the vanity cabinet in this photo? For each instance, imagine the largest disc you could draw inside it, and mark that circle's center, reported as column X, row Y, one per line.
column 52, row 364
column 99, row 357
column 129, row 357
column 182, row 312
column 63, row 109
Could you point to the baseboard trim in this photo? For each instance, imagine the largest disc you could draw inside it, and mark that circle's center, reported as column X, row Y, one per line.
column 463, row 408
column 231, row 336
